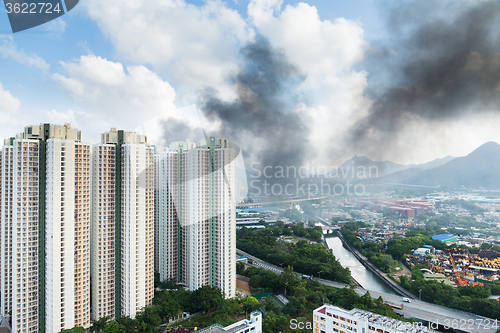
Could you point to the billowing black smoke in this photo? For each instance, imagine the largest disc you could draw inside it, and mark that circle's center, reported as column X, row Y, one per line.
column 444, row 68
column 261, row 119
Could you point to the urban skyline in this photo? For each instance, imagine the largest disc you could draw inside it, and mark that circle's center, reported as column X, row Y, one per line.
column 195, row 65
column 79, row 218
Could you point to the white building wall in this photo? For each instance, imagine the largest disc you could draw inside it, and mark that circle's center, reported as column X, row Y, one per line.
column 137, row 228
column 224, row 161
column 166, row 220
column 6, row 231
column 19, row 229
column 194, row 217
column 103, row 231
column 60, row 230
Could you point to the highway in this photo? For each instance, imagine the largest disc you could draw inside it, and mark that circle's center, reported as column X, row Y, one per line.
column 432, row 313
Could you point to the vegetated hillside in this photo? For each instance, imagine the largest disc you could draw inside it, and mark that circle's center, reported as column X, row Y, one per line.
column 481, row 168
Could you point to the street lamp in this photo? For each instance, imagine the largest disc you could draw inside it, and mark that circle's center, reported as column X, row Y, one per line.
column 281, row 265
column 420, row 295
column 319, row 273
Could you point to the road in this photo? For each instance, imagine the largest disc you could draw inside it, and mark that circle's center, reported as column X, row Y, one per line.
column 432, row 313
column 255, row 204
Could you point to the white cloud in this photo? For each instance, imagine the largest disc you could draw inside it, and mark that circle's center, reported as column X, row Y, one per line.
column 197, row 46
column 8, row 103
column 193, row 45
column 69, row 117
column 56, row 26
column 320, row 48
column 8, row 49
column 114, row 96
column 9, row 112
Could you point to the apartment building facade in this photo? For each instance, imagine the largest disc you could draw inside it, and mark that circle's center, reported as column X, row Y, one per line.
column 45, row 229
column 195, row 214
column 122, row 220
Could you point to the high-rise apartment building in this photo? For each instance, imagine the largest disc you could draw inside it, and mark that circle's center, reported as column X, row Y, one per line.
column 122, row 225
column 45, row 229
column 195, row 215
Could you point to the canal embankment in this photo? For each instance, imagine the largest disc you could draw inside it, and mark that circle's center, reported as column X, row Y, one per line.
column 374, row 270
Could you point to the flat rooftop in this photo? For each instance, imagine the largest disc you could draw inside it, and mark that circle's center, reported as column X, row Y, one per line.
column 375, row 319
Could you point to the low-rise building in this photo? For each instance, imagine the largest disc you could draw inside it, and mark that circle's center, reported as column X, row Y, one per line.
column 329, row 319
column 252, row 325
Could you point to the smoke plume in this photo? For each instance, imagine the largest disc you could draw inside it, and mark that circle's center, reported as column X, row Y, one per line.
column 262, row 118
column 444, row 68
column 179, row 130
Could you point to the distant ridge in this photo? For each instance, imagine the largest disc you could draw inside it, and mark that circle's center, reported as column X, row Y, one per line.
column 481, row 168
column 383, row 168
column 386, row 168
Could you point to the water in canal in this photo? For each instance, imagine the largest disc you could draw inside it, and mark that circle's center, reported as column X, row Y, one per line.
column 365, row 278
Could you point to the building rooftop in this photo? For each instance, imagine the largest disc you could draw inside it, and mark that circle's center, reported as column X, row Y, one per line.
column 236, row 327
column 442, row 237
column 375, row 319
column 114, row 135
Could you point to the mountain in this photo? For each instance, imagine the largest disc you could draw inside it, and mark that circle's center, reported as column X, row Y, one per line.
column 481, row 168
column 359, row 163
column 432, row 164
column 395, row 177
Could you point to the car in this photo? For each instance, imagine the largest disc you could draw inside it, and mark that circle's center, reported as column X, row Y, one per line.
column 407, row 300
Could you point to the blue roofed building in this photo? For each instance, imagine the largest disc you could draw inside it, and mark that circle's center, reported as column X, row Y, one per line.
column 445, row 238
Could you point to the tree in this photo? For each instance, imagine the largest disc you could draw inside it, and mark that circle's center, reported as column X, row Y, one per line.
column 206, row 298
column 230, row 307
column 74, row 330
column 147, row 319
column 250, row 304
column 98, row 326
column 128, row 324
column 287, row 277
column 270, row 305
column 169, row 309
column 276, row 323
column 113, row 327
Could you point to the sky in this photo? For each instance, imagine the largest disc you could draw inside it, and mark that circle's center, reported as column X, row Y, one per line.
column 290, row 82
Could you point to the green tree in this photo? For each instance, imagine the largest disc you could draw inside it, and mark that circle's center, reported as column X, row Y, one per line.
column 270, row 305
column 147, row 319
column 74, row 330
column 250, row 304
column 113, row 327
column 287, row 277
column 129, row 324
column 98, row 326
column 206, row 298
column 276, row 323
